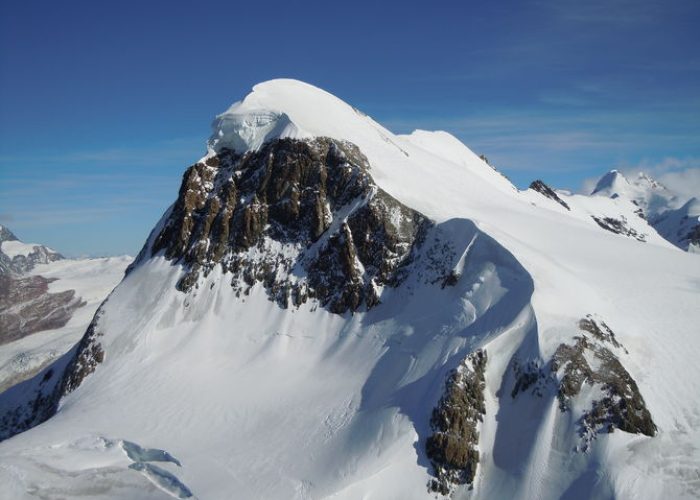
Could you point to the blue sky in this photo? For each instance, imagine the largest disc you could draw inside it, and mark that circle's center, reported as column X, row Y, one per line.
column 104, row 104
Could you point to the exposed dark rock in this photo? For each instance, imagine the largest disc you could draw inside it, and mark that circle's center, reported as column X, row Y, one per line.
column 88, row 355
column 622, row 407
column 602, row 333
column 485, row 159
column 570, row 361
column 529, row 377
column 618, row 226
column 639, row 211
column 308, row 205
column 27, row 307
column 588, row 361
column 453, row 446
column 451, row 279
column 547, row 191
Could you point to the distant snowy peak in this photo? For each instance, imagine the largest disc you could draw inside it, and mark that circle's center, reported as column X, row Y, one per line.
column 644, row 180
column 6, row 234
column 644, row 191
column 673, row 218
column 19, row 257
column 613, row 183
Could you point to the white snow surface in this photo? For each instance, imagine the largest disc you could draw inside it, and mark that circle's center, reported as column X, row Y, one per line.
column 261, row 402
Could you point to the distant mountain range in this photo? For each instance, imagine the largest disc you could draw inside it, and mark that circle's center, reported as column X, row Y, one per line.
column 674, row 218
column 46, row 303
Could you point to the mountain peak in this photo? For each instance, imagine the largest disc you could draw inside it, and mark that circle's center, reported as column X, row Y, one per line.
column 285, row 109
column 645, row 180
column 6, row 234
column 19, row 257
column 612, row 182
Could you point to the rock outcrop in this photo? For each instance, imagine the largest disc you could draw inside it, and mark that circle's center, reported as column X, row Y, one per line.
column 301, row 217
column 619, row 226
column 453, row 446
column 547, row 191
column 589, row 363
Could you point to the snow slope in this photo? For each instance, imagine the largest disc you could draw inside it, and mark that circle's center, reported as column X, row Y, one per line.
column 257, row 401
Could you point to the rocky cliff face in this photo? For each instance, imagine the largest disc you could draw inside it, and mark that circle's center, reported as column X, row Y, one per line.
column 302, row 217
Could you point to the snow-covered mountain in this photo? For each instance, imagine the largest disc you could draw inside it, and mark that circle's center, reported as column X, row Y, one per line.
column 674, row 218
column 329, row 310
column 46, row 303
column 19, row 257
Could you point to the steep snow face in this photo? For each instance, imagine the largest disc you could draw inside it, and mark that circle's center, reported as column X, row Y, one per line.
column 256, row 400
